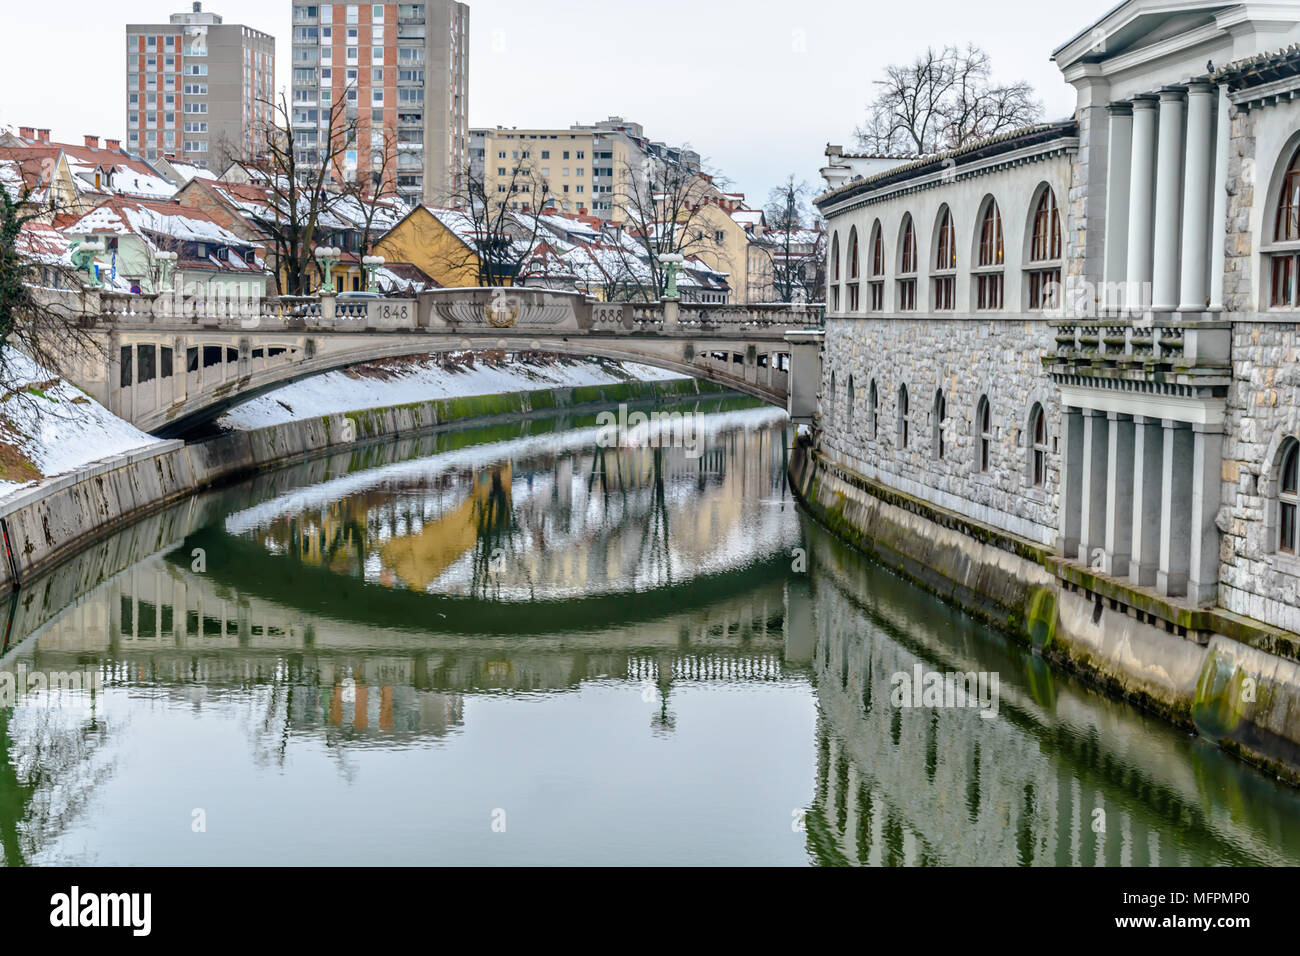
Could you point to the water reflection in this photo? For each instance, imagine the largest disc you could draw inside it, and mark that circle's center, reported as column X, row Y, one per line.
column 612, row 644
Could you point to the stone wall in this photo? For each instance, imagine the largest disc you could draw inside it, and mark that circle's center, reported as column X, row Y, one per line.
column 1238, row 288
column 1263, row 410
column 967, row 359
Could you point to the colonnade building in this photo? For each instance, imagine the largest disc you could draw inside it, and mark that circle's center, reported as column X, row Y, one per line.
column 1084, row 334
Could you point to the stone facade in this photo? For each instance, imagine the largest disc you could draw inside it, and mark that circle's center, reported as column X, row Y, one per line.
column 968, row 359
column 1238, row 288
column 1263, row 410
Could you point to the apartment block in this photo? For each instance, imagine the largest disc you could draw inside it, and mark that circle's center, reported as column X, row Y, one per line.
column 585, row 167
column 198, row 88
column 397, row 76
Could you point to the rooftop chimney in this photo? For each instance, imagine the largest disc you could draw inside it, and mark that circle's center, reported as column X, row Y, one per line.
column 198, row 7
column 27, row 132
column 114, row 144
column 43, row 135
column 92, row 142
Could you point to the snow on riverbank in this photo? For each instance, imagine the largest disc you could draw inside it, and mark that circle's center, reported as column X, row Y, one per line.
column 424, row 378
column 48, row 427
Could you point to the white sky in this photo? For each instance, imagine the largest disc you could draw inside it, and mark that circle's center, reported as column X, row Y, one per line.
column 758, row 87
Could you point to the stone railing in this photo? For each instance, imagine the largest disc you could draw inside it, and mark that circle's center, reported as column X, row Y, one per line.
column 462, row 310
column 1118, row 348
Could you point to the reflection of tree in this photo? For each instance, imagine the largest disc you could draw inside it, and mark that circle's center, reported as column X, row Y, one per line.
column 46, row 778
column 497, row 528
column 654, row 551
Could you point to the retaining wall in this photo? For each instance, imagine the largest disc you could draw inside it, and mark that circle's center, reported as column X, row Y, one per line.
column 1234, row 680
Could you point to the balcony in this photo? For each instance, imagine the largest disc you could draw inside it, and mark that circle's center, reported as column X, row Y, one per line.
column 1122, row 353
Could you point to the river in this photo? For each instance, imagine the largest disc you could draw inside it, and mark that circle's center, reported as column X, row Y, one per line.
column 508, row 644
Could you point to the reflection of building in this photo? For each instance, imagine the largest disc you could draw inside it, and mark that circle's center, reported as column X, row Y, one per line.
column 926, row 786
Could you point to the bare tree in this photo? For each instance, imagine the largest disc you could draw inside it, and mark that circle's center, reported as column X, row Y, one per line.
column 499, row 233
column 48, row 329
column 661, row 215
column 375, row 194
column 943, row 100
column 787, row 213
column 300, row 187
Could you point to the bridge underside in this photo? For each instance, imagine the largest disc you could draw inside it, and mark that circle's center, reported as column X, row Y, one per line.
column 169, row 383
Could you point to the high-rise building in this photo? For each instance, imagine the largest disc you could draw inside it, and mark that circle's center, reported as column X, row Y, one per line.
column 593, row 167
column 197, row 88
column 397, row 74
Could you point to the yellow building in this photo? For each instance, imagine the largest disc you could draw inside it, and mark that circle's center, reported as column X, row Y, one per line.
column 440, row 242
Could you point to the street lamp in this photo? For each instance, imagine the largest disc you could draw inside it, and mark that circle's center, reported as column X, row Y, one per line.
column 672, row 262
column 83, row 259
column 166, row 262
column 328, row 257
column 372, row 265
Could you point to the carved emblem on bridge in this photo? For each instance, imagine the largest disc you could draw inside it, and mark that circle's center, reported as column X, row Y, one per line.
column 503, row 311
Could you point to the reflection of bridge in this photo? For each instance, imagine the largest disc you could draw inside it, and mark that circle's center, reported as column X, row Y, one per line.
column 169, row 369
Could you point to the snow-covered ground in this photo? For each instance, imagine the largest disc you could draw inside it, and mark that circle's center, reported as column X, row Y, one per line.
column 48, row 427
column 404, row 381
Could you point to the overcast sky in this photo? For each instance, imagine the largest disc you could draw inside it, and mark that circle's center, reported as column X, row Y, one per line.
column 758, row 87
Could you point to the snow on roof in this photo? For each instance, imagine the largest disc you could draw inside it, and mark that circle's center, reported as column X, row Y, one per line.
column 44, row 244
column 125, row 216
column 188, row 171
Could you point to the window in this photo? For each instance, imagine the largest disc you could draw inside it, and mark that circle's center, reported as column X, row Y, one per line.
column 940, row 415
column 903, row 423
column 988, row 278
column 835, row 272
column 907, row 267
column 1286, row 229
column 1288, row 496
column 984, row 426
column 852, row 398
column 873, row 406
column 877, row 284
column 1038, row 446
column 945, row 264
column 1045, row 254
column 854, row 302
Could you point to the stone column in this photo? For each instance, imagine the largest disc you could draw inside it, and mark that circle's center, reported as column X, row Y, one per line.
column 1207, row 473
column 1169, row 196
column 1119, row 494
column 1117, row 201
column 1176, row 509
column 1092, row 521
column 1142, row 184
column 1071, row 480
column 1194, row 289
column 1148, row 449
column 1219, row 205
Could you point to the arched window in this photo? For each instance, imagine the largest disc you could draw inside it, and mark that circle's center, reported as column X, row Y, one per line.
column 854, row 300
column 984, row 429
column 945, row 264
column 1038, row 446
column 835, row 272
column 832, row 398
column 907, row 267
column 872, row 409
column 1045, row 254
column 877, row 268
column 903, row 424
column 1286, row 228
column 988, row 276
column 851, row 398
column 1288, row 496
column 940, row 415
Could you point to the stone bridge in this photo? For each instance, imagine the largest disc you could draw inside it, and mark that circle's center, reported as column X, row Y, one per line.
column 169, row 364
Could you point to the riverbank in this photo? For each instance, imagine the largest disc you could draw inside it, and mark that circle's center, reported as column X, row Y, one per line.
column 47, row 523
column 1232, row 680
